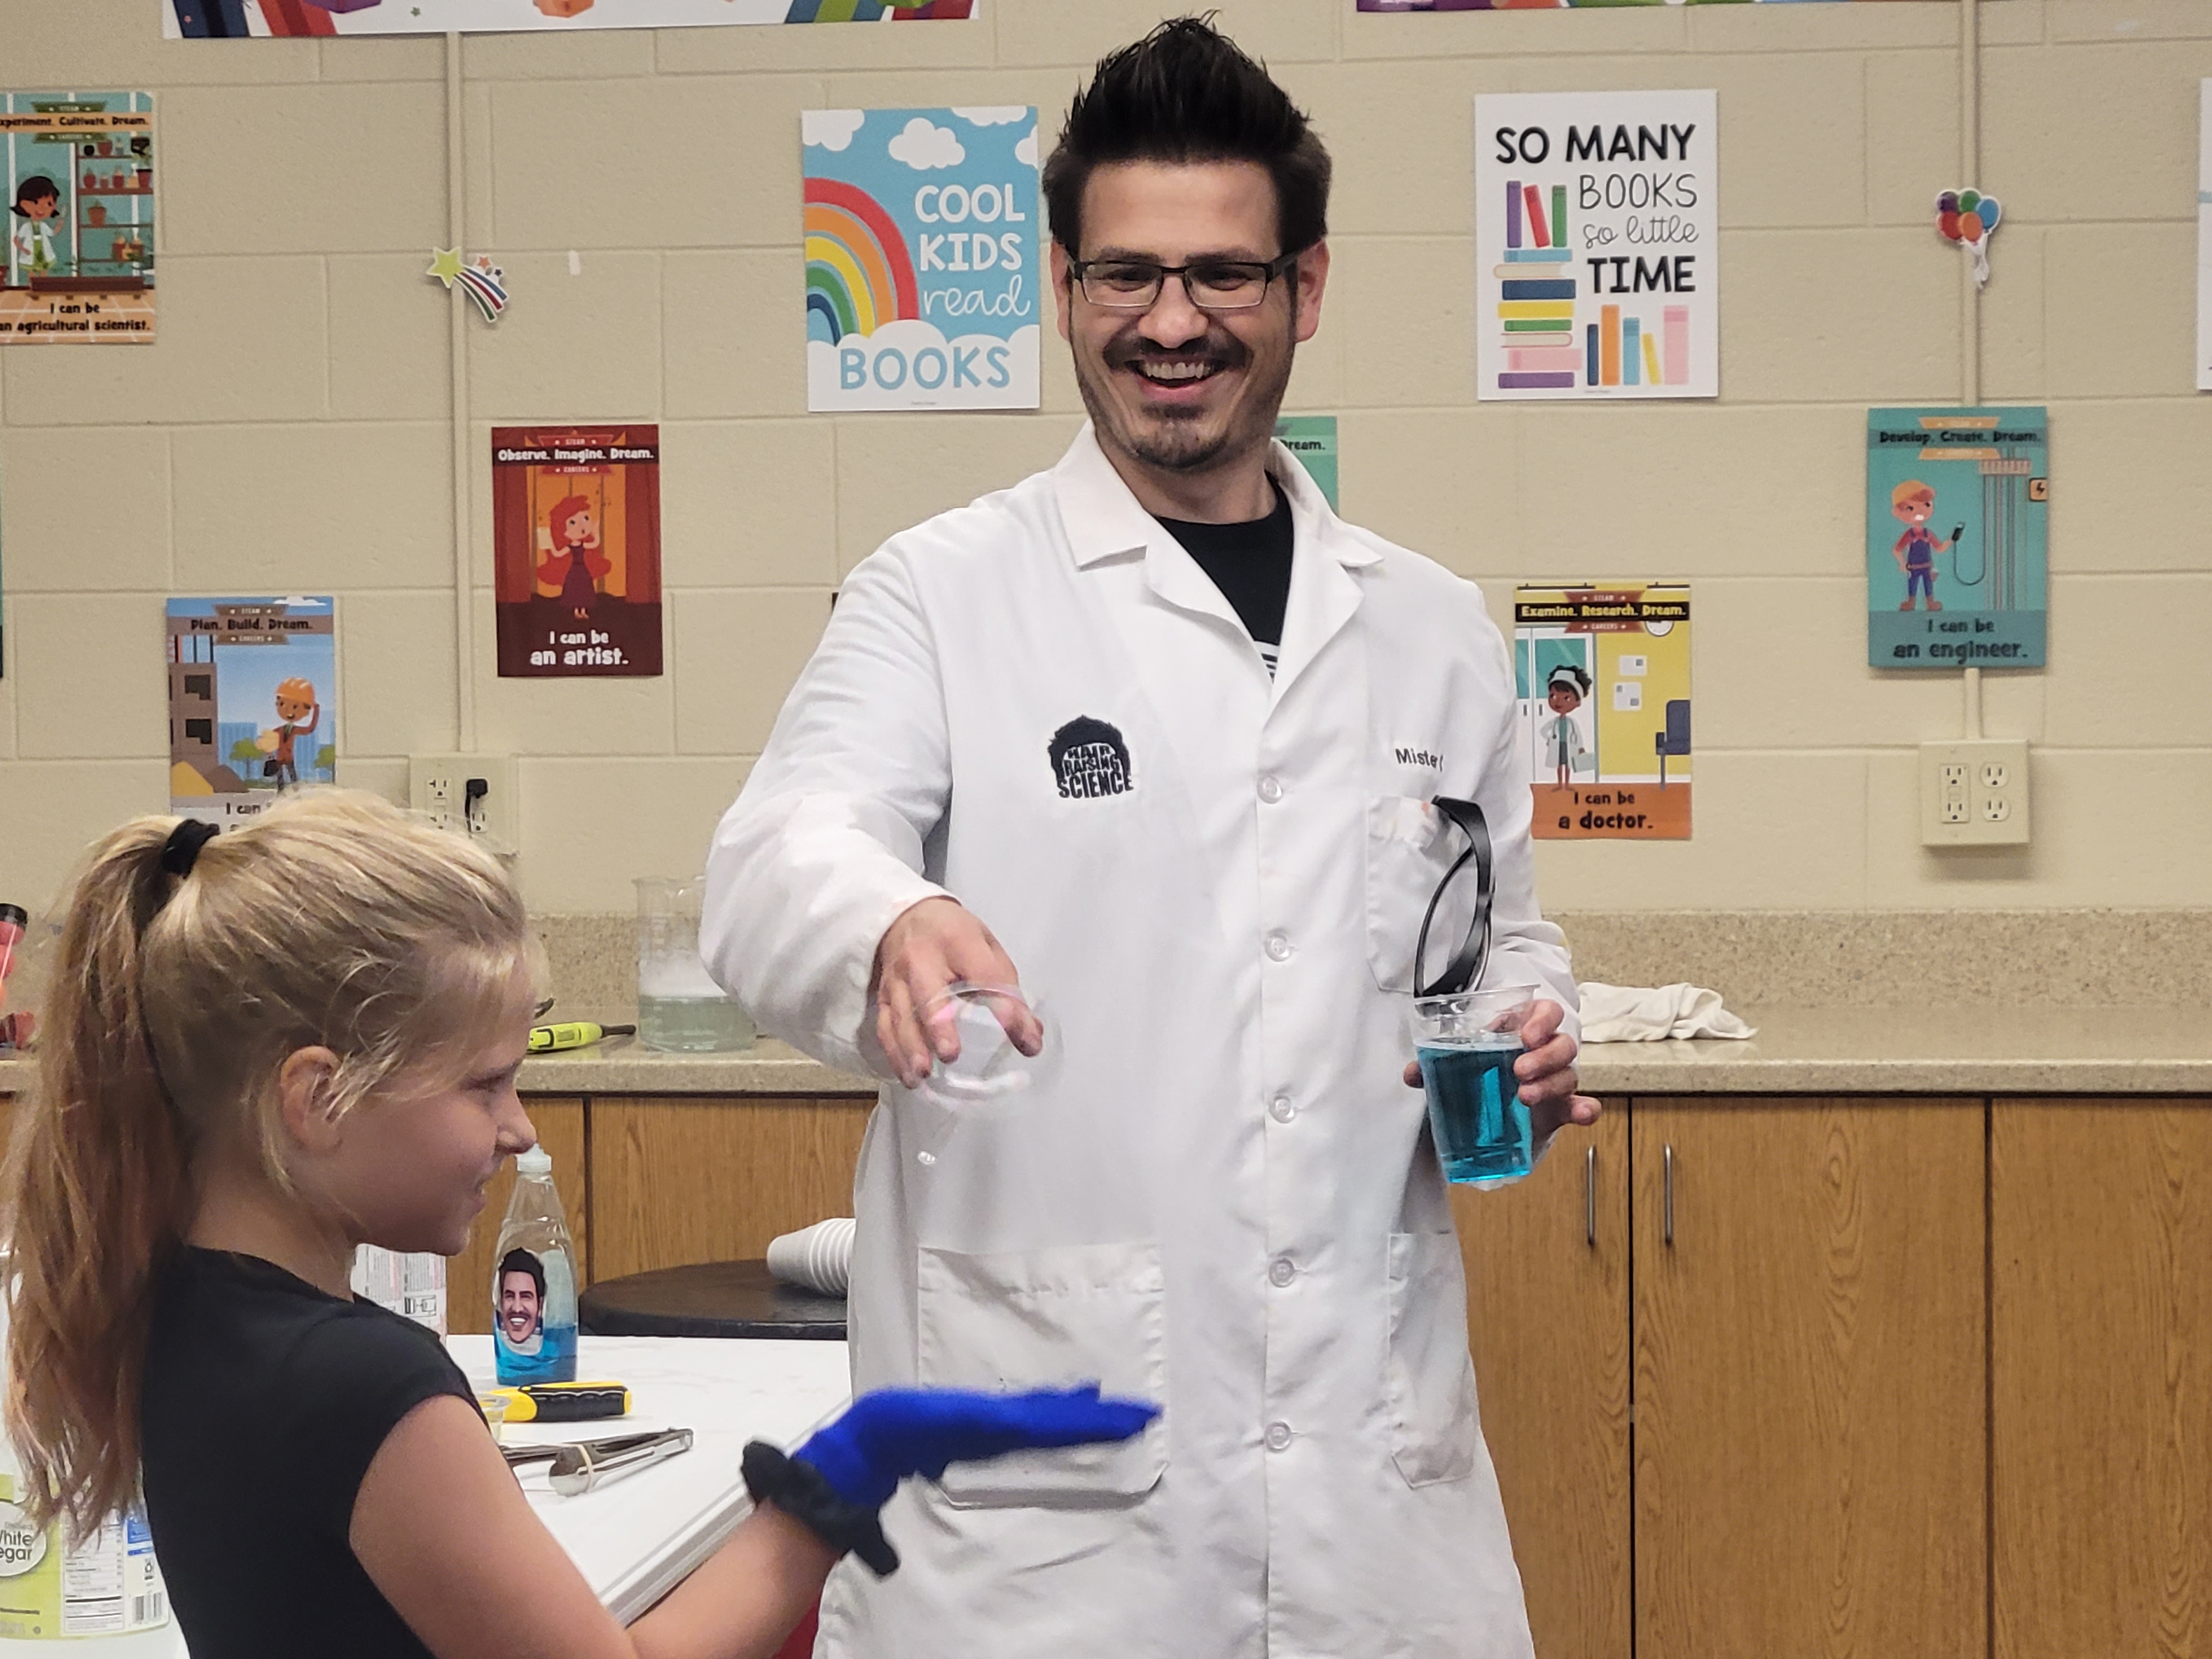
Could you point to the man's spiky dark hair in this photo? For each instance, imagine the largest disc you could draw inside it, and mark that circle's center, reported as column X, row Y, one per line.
column 1186, row 93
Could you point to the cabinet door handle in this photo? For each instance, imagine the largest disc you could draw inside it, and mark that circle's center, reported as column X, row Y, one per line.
column 1589, row 1198
column 1667, row 1202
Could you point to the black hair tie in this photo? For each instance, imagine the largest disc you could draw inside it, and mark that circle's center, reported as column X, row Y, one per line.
column 182, row 850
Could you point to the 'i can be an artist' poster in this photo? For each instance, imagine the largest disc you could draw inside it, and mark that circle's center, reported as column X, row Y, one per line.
column 922, row 239
column 78, row 170
column 1596, row 215
column 1956, row 537
column 1602, row 673
column 575, row 535
column 253, row 703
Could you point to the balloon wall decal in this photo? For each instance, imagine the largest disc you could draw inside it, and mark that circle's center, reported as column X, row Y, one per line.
column 1968, row 217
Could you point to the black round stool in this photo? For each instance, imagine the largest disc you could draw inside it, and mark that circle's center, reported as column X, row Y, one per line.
column 710, row 1298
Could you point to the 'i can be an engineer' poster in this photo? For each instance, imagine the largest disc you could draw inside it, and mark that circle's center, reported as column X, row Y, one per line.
column 1958, row 535
column 923, row 239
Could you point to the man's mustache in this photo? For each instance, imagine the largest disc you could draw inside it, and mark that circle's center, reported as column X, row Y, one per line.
column 1223, row 349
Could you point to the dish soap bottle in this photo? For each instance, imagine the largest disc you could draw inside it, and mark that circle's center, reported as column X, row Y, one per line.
column 533, row 1283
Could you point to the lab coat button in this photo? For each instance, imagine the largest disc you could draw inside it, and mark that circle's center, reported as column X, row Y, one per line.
column 1281, row 1108
column 1281, row 1271
column 1278, row 948
column 1279, row 1436
column 1271, row 789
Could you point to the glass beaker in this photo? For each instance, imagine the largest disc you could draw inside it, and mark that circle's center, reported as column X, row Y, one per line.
column 680, row 1009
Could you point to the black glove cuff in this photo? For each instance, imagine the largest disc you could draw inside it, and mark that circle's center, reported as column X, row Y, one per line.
column 804, row 1493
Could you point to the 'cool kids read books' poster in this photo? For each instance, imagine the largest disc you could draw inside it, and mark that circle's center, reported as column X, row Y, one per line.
column 1596, row 269
column 253, row 703
column 1956, row 537
column 1602, row 674
column 922, row 238
column 78, row 170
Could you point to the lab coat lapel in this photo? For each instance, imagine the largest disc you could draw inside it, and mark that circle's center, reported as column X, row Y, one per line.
column 1104, row 521
column 1325, row 589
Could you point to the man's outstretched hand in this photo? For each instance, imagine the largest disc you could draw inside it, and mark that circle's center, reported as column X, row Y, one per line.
column 931, row 945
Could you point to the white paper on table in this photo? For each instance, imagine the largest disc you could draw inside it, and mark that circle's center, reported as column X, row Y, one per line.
column 636, row 1538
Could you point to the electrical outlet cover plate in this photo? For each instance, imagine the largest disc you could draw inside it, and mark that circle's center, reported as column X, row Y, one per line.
column 437, row 787
column 1974, row 793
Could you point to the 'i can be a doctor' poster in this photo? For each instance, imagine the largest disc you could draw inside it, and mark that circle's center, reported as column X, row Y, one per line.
column 1602, row 673
column 1956, row 537
column 1597, row 271
column 253, row 703
column 922, row 240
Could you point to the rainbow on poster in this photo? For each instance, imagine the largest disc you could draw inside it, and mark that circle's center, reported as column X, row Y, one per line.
column 858, row 273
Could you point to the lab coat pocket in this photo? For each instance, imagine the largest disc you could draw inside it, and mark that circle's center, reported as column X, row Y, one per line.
column 1430, row 1384
column 1411, row 849
column 1049, row 1318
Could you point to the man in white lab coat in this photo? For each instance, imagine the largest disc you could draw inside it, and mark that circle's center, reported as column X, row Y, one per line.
column 1156, row 731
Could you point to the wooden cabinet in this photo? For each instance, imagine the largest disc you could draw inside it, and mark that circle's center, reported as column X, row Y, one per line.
column 1810, row 1421
column 2100, row 1229
column 560, row 1126
column 713, row 1180
column 1547, row 1318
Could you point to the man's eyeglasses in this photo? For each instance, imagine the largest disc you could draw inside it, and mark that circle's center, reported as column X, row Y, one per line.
column 1212, row 284
column 1464, row 968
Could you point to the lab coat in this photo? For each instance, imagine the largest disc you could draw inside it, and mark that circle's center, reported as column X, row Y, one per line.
column 1224, row 1200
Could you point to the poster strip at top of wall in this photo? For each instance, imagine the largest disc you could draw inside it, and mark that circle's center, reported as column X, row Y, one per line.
column 922, row 230
column 253, row 703
column 575, row 535
column 283, row 18
column 78, row 170
column 1538, row 5
column 1958, row 537
column 1596, row 223
column 1602, row 671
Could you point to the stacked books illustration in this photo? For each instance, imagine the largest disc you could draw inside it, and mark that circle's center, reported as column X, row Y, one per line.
column 1536, row 290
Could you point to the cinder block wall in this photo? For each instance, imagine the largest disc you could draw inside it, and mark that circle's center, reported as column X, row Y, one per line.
column 290, row 432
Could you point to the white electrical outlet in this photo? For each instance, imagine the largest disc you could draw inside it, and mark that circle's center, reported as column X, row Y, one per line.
column 1974, row 793
column 475, row 794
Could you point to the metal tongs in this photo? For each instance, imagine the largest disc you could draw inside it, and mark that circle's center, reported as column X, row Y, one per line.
column 580, row 1465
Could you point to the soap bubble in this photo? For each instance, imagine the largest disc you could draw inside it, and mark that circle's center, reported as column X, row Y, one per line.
column 991, row 1022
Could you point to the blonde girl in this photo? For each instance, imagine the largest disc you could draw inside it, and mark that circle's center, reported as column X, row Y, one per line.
column 267, row 1048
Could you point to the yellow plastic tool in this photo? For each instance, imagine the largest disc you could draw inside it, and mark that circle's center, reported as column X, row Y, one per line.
column 562, row 1402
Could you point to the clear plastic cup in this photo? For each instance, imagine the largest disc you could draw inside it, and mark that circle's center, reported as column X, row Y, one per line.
column 1467, row 1043
column 990, row 1072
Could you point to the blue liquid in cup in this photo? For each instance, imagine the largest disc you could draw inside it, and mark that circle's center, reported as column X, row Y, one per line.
column 1482, row 1130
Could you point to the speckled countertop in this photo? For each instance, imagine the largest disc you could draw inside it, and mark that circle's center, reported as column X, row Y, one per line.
column 2025, row 1050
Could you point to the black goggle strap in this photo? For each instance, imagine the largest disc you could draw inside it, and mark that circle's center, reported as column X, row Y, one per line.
column 1466, row 966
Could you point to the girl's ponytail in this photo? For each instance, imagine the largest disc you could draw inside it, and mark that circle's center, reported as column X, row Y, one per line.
column 93, row 1193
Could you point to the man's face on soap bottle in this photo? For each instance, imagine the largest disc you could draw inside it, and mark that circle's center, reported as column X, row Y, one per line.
column 519, row 1309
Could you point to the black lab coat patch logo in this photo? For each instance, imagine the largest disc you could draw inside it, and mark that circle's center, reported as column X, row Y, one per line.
column 1090, row 759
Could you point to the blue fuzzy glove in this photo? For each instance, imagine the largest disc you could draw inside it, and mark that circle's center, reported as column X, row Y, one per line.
column 891, row 1433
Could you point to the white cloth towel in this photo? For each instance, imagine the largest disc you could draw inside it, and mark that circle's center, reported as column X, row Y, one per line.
column 817, row 1258
column 1652, row 1013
